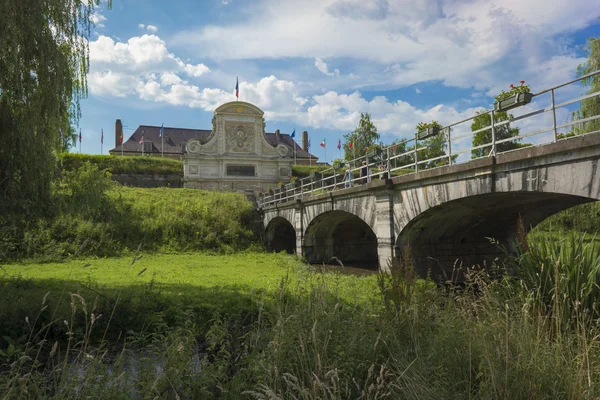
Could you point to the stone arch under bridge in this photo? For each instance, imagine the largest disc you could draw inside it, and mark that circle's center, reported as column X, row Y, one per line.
column 446, row 214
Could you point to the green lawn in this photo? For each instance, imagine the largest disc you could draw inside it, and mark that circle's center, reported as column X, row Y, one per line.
column 245, row 270
column 159, row 289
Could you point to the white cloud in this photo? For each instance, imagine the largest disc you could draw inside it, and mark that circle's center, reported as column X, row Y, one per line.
column 97, row 19
column 322, row 66
column 464, row 43
column 417, row 91
column 141, row 26
column 152, row 28
column 119, row 69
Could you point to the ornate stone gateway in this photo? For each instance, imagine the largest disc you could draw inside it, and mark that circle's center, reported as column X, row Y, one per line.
column 237, row 155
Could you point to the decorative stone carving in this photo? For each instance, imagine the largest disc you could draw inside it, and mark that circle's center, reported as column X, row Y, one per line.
column 193, row 170
column 239, row 138
column 284, row 172
column 282, row 150
column 239, row 109
column 239, row 118
column 193, row 146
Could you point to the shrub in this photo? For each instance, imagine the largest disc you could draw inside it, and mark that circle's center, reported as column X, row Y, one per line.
column 122, row 165
column 564, row 275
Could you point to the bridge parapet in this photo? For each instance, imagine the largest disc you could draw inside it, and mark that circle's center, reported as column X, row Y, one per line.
column 389, row 162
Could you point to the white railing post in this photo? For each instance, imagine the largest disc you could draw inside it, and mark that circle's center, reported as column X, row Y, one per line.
column 449, row 146
column 334, row 180
column 387, row 164
column 416, row 153
column 553, row 116
column 493, row 152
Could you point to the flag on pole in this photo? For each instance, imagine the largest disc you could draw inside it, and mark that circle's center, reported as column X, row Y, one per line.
column 339, row 146
column 308, row 146
column 237, row 88
column 102, row 136
column 142, row 140
column 160, row 133
column 79, row 135
column 323, row 143
column 293, row 135
column 350, row 145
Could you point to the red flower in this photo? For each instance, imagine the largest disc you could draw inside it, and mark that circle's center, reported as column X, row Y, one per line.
column 512, row 86
column 522, row 82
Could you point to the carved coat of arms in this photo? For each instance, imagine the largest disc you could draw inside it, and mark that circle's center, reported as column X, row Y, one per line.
column 239, row 139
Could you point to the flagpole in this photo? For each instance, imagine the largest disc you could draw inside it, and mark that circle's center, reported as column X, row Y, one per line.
column 101, row 140
column 162, row 144
column 79, row 140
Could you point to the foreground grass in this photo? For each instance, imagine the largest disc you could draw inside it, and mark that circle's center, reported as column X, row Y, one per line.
column 268, row 327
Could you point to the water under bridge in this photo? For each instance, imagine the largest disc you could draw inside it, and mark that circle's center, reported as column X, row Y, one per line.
column 446, row 214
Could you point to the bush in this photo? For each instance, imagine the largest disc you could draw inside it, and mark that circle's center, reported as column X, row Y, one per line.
column 582, row 218
column 122, row 165
column 563, row 274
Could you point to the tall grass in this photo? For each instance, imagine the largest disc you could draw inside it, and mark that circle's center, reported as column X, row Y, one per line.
column 328, row 336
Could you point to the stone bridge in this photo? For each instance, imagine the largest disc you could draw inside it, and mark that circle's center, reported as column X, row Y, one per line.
column 446, row 215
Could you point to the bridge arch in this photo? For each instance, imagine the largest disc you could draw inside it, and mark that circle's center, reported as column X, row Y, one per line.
column 280, row 235
column 343, row 235
column 458, row 232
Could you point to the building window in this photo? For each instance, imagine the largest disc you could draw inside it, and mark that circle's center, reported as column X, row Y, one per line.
column 147, row 147
column 240, row 170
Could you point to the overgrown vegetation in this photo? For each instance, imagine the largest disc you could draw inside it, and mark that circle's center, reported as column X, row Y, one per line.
column 582, row 218
column 122, row 165
column 312, row 335
column 94, row 216
column 44, row 62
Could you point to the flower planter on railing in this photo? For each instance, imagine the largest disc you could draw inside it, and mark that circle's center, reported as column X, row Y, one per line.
column 514, row 101
column 428, row 132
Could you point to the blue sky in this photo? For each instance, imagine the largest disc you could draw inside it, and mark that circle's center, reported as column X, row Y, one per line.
column 315, row 65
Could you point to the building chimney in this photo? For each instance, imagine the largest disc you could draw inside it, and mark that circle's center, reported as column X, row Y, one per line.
column 278, row 135
column 305, row 141
column 118, row 132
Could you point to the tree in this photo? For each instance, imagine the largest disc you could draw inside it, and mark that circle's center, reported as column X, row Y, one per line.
column 589, row 107
column 435, row 147
column 44, row 63
column 362, row 137
column 501, row 132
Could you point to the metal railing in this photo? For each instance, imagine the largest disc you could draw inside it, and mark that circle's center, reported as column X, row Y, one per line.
column 386, row 163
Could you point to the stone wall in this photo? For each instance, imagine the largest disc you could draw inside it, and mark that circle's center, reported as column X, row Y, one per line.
column 149, row 180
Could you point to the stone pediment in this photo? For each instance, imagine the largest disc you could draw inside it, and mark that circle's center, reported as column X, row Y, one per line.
column 239, row 108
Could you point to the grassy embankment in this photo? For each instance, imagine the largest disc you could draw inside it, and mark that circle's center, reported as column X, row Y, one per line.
column 93, row 216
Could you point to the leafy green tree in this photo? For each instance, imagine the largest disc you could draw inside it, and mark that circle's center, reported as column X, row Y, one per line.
column 44, row 62
column 589, row 107
column 362, row 137
column 68, row 139
column 501, row 132
column 435, row 147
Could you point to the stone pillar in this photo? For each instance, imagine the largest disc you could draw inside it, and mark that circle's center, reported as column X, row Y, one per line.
column 384, row 228
column 298, row 210
column 118, row 132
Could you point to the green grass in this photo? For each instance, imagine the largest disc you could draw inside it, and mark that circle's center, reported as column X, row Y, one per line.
column 264, row 326
column 168, row 284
